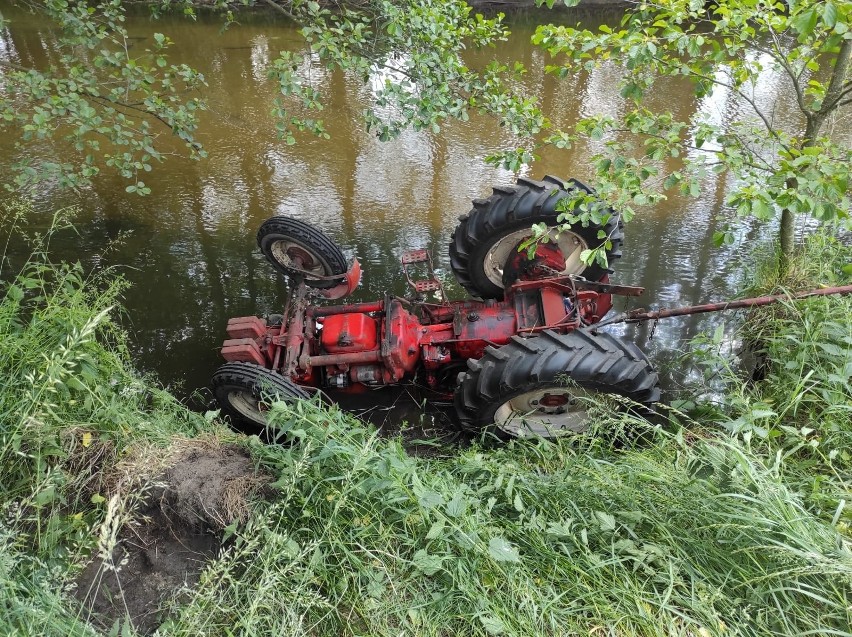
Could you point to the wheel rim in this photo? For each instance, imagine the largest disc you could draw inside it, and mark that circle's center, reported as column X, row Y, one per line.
column 570, row 244
column 292, row 255
column 248, row 405
column 546, row 412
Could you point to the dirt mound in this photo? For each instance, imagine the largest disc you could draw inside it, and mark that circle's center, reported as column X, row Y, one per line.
column 174, row 532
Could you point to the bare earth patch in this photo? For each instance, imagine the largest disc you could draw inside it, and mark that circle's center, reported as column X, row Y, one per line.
column 174, row 534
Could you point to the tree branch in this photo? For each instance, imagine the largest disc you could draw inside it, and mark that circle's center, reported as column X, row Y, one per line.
column 751, row 102
column 795, row 78
column 281, row 9
column 106, row 100
column 836, row 89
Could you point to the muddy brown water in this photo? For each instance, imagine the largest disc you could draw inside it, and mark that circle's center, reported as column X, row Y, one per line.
column 190, row 249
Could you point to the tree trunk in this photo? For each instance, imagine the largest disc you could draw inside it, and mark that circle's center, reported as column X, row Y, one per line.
column 833, row 95
column 787, row 236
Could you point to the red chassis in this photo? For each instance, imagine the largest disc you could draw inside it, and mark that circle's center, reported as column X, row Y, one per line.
column 385, row 342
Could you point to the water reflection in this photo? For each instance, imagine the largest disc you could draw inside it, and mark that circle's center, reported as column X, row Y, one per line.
column 191, row 254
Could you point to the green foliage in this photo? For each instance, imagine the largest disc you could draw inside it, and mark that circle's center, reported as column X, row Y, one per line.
column 30, row 603
column 68, row 393
column 671, row 536
column 102, row 101
column 724, row 47
column 105, row 103
column 800, row 413
column 410, row 53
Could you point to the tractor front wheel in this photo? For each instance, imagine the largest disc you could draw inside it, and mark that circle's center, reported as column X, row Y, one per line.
column 297, row 249
column 245, row 391
column 544, row 386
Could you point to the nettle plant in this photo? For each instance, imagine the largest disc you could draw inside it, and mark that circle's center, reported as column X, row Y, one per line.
column 781, row 170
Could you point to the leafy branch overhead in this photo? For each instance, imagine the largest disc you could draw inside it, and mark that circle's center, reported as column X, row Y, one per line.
column 103, row 101
column 410, row 53
column 109, row 100
column 719, row 49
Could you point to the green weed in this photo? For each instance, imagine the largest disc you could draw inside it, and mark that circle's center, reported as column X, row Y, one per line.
column 799, row 414
column 70, row 407
column 674, row 537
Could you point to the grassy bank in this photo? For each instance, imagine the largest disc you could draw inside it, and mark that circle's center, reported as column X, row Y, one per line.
column 735, row 525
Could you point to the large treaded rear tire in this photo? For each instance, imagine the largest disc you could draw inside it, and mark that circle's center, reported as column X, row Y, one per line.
column 536, row 370
column 281, row 238
column 504, row 216
column 243, row 389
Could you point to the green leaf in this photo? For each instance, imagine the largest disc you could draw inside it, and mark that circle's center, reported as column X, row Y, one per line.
column 46, row 497
column 430, row 499
column 606, row 520
column 426, row 563
column 760, row 413
column 805, row 23
column 502, row 551
column 829, row 14
column 831, row 348
column 290, row 550
column 762, row 210
column 15, row 293
column 457, row 506
column 493, row 625
column 436, row 530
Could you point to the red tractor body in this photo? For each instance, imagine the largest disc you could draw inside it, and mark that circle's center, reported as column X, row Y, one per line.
column 518, row 362
column 385, row 342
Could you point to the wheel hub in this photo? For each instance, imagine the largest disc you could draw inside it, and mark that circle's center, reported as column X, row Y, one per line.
column 563, row 249
column 297, row 257
column 553, row 400
column 545, row 412
column 249, row 406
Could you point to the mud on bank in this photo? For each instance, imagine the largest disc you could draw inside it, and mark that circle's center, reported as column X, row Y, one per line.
column 172, row 534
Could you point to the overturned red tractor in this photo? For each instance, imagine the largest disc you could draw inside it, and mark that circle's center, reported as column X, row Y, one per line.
column 519, row 360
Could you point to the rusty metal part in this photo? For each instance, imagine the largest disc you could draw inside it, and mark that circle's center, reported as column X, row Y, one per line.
column 352, row 358
column 295, row 336
column 432, row 284
column 636, row 316
column 365, row 308
column 607, row 288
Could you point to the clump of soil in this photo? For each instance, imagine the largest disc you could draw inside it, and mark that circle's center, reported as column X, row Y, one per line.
column 175, row 532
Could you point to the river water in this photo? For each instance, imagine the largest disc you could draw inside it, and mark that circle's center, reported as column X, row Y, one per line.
column 190, row 249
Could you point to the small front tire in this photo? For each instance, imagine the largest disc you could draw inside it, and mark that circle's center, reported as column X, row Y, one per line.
column 245, row 391
column 299, row 250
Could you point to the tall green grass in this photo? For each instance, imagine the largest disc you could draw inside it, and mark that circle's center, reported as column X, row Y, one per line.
column 733, row 526
column 675, row 536
column 799, row 415
column 70, row 407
